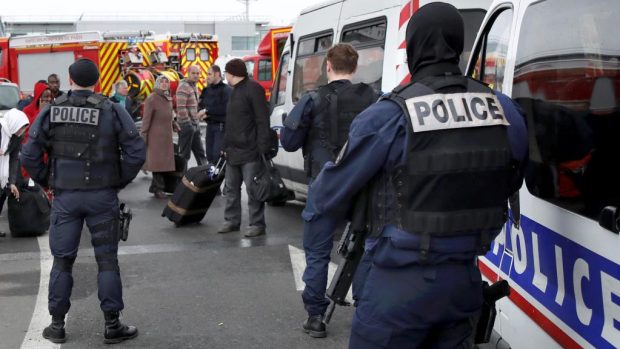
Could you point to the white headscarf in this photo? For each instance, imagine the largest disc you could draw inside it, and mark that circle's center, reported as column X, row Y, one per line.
column 12, row 122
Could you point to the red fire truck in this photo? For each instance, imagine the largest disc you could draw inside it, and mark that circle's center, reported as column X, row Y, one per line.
column 262, row 66
column 138, row 57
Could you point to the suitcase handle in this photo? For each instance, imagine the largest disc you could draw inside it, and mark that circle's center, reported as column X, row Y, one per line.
column 219, row 167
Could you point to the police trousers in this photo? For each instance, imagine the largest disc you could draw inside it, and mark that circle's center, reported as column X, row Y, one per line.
column 418, row 306
column 318, row 242
column 100, row 210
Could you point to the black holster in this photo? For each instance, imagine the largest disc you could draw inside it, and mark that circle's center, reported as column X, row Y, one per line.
column 491, row 294
column 124, row 220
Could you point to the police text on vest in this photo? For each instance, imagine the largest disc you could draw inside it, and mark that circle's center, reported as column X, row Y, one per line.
column 457, row 110
column 75, row 115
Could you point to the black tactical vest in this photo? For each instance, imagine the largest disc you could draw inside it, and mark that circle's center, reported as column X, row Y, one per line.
column 459, row 163
column 334, row 108
column 84, row 148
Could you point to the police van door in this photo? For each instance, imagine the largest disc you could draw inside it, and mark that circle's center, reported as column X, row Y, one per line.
column 559, row 60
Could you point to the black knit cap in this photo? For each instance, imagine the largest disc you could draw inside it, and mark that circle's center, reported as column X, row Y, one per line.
column 84, row 72
column 236, row 67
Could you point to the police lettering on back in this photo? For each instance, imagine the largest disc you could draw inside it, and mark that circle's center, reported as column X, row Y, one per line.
column 75, row 115
column 457, row 110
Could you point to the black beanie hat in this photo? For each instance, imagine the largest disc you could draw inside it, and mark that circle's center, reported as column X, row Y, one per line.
column 236, row 67
column 84, row 72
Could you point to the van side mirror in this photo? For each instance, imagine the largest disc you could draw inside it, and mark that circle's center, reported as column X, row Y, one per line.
column 610, row 219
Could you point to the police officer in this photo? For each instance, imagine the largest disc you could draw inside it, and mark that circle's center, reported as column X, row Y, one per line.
column 94, row 150
column 439, row 158
column 319, row 124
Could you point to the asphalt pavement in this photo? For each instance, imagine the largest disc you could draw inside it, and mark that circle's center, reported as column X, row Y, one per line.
column 186, row 287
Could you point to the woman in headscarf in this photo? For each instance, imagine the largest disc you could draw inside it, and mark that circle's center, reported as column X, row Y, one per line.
column 12, row 128
column 157, row 128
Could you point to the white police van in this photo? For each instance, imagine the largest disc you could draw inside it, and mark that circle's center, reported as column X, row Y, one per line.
column 376, row 29
column 560, row 60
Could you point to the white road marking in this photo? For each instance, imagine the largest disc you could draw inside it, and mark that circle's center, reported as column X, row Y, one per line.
column 40, row 316
column 298, row 262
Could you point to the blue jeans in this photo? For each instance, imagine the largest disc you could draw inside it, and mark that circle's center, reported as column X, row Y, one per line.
column 214, row 140
column 70, row 209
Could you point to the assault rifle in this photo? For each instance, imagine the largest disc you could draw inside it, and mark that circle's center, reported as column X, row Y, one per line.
column 351, row 249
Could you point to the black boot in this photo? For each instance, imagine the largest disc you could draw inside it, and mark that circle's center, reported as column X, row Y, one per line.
column 315, row 327
column 115, row 330
column 55, row 332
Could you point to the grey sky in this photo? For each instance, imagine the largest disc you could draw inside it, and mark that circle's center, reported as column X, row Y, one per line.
column 278, row 11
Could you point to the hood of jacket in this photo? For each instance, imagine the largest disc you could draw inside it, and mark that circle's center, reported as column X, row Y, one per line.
column 434, row 39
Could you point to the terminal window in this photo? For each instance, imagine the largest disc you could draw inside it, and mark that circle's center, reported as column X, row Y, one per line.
column 244, row 43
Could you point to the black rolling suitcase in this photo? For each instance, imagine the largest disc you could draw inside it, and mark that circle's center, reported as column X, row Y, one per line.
column 30, row 216
column 195, row 193
column 172, row 179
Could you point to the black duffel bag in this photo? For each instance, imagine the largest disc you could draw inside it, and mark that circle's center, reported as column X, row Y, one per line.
column 30, row 216
column 267, row 184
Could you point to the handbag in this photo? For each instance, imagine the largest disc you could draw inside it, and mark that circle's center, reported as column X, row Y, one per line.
column 267, row 184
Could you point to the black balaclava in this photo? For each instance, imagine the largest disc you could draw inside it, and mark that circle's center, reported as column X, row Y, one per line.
column 435, row 36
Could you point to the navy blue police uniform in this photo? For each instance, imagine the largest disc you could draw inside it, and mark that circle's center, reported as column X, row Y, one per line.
column 94, row 151
column 439, row 158
column 319, row 124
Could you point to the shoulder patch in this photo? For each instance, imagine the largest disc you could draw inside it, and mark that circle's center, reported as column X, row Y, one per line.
column 74, row 115
column 456, row 110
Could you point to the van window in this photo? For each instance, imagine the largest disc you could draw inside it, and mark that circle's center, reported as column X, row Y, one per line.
column 472, row 20
column 9, row 96
column 310, row 63
column 280, row 85
column 491, row 62
column 566, row 80
column 369, row 40
column 264, row 70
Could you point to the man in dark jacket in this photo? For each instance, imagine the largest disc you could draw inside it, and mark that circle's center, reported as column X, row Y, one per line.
column 246, row 138
column 213, row 100
column 54, row 83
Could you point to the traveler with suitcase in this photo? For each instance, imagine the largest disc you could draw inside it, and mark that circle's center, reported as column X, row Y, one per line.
column 157, row 128
column 247, row 136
